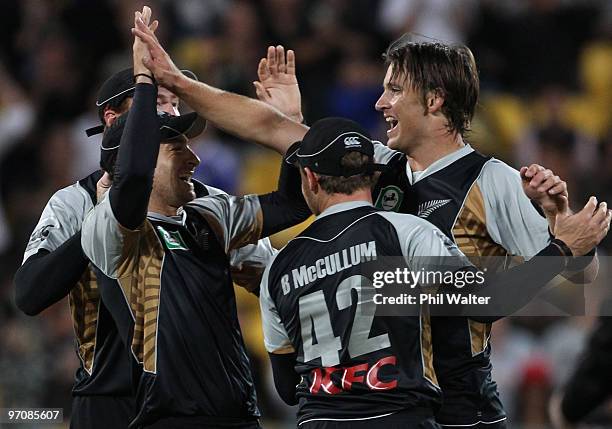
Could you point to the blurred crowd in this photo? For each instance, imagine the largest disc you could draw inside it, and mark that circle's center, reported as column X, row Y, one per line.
column 546, row 87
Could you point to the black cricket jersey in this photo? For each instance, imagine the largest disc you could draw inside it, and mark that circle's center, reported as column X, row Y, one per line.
column 104, row 361
column 478, row 203
column 174, row 277
column 316, row 299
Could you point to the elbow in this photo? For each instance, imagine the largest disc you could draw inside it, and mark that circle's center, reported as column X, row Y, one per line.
column 24, row 302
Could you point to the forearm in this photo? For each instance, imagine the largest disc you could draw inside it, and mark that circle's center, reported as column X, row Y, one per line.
column 47, row 277
column 246, row 118
column 136, row 160
column 286, row 206
column 511, row 290
column 285, row 377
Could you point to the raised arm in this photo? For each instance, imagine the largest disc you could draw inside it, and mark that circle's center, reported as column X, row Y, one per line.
column 238, row 115
column 238, row 221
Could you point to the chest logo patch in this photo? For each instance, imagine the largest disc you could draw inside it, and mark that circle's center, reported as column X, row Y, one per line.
column 427, row 208
column 173, row 239
column 390, row 198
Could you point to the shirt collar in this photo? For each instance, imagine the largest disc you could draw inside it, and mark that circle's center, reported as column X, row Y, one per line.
column 179, row 219
column 341, row 207
column 438, row 165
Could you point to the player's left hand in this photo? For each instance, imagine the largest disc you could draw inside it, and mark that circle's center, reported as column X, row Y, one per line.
column 103, row 186
column 278, row 85
column 166, row 73
column 547, row 189
column 139, row 49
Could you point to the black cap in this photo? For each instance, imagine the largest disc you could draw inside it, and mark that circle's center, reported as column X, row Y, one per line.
column 172, row 129
column 327, row 141
column 114, row 90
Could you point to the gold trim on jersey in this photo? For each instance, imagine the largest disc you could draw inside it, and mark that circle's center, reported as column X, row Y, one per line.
column 84, row 301
column 142, row 288
column 427, row 347
column 473, row 239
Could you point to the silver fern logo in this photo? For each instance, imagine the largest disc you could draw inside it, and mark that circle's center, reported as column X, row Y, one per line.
column 425, row 209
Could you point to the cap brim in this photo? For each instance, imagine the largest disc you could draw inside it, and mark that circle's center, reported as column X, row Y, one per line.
column 183, row 127
column 292, row 154
column 190, row 74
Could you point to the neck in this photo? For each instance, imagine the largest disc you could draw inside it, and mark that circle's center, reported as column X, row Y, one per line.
column 329, row 200
column 434, row 149
column 162, row 209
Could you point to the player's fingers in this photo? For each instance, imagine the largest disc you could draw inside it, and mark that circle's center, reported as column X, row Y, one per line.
column 589, row 208
column 606, row 222
column 148, row 38
column 600, row 214
column 263, row 72
column 549, row 183
column 522, row 172
column 280, row 58
column 532, row 170
column 146, row 14
column 154, row 26
column 261, row 92
column 290, row 62
column 540, row 177
column 563, row 204
column 272, row 60
column 140, row 25
column 559, row 188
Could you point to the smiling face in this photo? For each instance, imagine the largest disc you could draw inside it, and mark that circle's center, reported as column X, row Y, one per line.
column 404, row 113
column 172, row 186
column 167, row 102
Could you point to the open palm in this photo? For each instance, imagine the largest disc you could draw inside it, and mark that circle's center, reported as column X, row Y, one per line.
column 278, row 85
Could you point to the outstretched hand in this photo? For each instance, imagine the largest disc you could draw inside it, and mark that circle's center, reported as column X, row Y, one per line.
column 278, row 85
column 140, row 50
column 157, row 60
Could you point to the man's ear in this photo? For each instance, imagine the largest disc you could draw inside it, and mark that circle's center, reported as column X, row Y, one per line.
column 109, row 116
column 435, row 101
column 312, row 179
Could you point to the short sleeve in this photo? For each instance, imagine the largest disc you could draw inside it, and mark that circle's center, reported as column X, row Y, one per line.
column 512, row 220
column 382, row 154
column 423, row 245
column 61, row 218
column 275, row 335
column 237, row 221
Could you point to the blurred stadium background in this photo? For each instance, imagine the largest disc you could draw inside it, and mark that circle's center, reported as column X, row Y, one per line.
column 546, row 88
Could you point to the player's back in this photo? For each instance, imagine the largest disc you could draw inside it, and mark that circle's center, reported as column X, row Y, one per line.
column 354, row 365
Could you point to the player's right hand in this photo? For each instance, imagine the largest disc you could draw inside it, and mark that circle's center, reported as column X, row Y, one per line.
column 278, row 85
column 582, row 231
column 158, row 62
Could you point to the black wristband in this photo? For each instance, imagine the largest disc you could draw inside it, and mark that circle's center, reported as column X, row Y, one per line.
column 564, row 249
column 579, row 263
column 146, row 75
